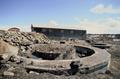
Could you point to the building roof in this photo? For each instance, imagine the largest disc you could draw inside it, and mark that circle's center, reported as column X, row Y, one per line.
column 68, row 27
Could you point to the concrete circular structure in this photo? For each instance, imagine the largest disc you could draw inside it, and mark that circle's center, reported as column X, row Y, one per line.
column 68, row 58
column 98, row 62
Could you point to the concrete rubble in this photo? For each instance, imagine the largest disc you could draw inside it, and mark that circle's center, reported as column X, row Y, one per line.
column 7, row 50
column 7, row 73
column 34, row 53
column 32, row 72
column 22, row 38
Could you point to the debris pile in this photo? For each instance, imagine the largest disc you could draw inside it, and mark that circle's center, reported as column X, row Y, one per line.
column 29, row 53
column 22, row 38
column 53, row 51
column 7, row 50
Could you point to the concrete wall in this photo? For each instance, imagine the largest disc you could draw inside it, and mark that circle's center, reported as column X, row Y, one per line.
column 61, row 34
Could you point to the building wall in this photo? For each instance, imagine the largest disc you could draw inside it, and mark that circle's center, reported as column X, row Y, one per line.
column 61, row 34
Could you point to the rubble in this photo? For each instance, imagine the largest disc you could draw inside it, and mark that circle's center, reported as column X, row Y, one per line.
column 22, row 38
column 32, row 72
column 7, row 73
column 11, row 69
column 7, row 50
column 35, row 54
column 15, row 59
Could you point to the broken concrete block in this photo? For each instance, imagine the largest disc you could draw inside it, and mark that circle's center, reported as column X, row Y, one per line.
column 7, row 73
column 11, row 69
column 14, row 59
column 7, row 50
column 32, row 72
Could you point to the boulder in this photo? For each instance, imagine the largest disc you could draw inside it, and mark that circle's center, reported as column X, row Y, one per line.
column 11, row 69
column 7, row 50
column 33, row 72
column 7, row 73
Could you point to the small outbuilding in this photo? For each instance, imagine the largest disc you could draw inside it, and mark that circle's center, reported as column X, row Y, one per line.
column 14, row 29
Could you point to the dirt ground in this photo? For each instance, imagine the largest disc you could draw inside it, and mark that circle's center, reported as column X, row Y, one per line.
column 112, row 73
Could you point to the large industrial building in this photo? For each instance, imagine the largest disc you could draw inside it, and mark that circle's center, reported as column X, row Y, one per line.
column 60, row 33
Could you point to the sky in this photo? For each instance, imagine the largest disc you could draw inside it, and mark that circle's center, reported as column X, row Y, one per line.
column 95, row 16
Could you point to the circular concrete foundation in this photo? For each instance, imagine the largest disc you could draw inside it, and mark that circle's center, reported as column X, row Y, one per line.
column 58, row 59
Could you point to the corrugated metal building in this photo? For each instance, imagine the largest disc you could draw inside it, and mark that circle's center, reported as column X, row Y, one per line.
column 60, row 33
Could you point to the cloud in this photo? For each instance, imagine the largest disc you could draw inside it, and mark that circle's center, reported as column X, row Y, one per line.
column 76, row 18
column 93, row 26
column 100, row 8
column 108, row 25
column 26, row 28
column 52, row 22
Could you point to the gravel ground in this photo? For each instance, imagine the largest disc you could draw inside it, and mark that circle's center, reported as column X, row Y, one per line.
column 113, row 73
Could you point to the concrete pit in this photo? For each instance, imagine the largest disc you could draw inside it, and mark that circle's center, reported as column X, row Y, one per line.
column 71, row 59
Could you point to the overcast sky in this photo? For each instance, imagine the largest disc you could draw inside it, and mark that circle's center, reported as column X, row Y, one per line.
column 96, row 16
